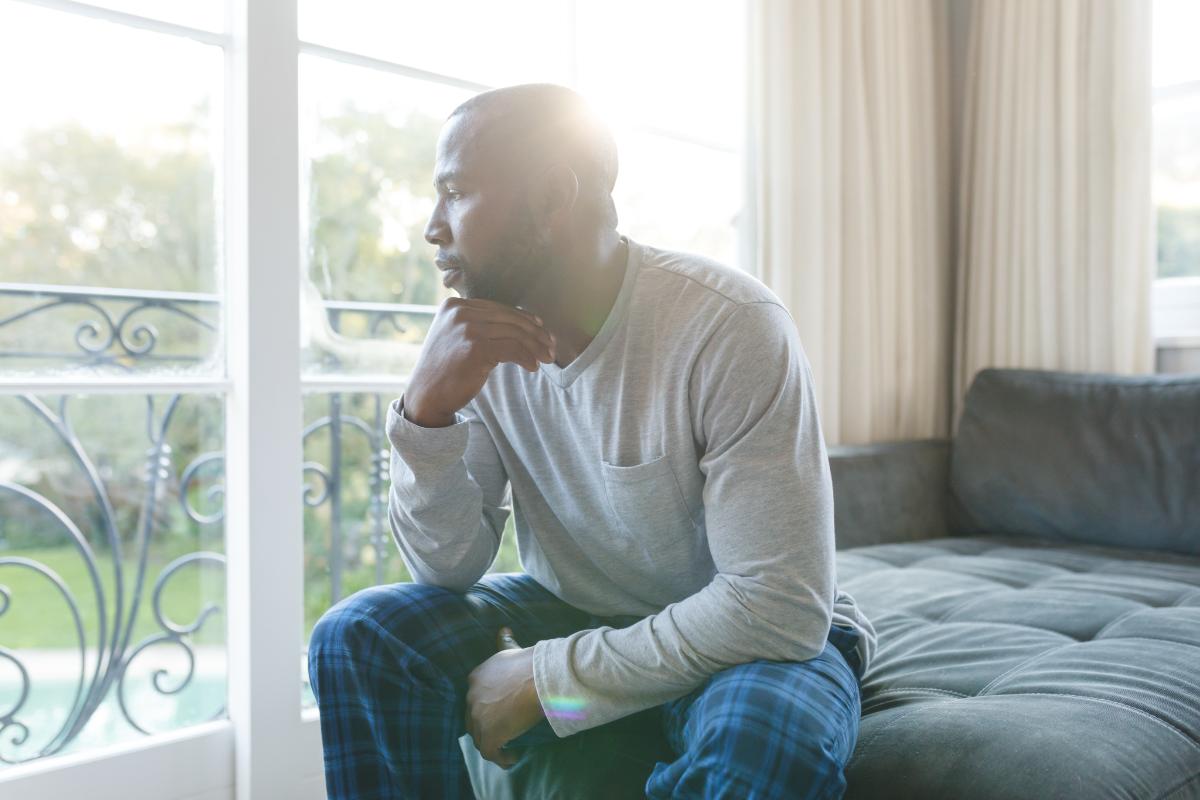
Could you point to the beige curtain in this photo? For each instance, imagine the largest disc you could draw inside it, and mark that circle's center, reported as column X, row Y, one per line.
column 1055, row 248
column 852, row 150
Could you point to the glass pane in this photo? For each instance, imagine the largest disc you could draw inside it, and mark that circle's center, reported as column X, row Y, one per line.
column 207, row 15
column 1174, row 50
column 109, row 152
column 370, row 287
column 483, row 41
column 661, row 202
column 348, row 541
column 675, row 65
column 1177, row 184
column 112, row 579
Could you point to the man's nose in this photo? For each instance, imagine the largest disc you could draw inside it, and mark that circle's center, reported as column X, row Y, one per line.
column 435, row 229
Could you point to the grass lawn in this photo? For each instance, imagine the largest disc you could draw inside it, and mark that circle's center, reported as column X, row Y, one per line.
column 39, row 617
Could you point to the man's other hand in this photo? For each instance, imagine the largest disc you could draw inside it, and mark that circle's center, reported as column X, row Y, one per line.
column 502, row 702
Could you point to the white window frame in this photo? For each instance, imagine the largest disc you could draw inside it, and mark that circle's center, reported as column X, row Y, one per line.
column 268, row 747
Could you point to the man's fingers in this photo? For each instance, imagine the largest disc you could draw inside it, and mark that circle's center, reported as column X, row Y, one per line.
column 505, row 640
column 512, row 351
column 496, row 755
column 492, row 751
column 490, row 311
column 541, row 345
column 529, row 353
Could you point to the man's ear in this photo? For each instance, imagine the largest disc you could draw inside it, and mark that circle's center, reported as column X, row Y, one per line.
column 556, row 193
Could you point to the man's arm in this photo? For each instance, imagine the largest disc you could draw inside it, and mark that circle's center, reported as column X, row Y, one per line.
column 448, row 502
column 768, row 506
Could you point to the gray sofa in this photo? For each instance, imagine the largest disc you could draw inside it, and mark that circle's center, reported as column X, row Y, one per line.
column 1035, row 584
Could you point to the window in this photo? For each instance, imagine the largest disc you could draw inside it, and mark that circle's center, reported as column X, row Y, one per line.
column 153, row 476
column 1177, row 183
column 112, row 546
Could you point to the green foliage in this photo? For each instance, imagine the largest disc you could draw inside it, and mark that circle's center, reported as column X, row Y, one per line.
column 1178, row 241
column 365, row 203
column 81, row 208
column 360, row 573
column 112, row 432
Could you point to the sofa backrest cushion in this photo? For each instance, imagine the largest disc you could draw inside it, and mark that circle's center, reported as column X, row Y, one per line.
column 1104, row 459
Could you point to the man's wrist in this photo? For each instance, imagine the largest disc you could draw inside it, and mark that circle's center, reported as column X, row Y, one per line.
column 425, row 420
column 531, row 692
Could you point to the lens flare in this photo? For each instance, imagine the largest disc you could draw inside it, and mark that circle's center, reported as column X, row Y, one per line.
column 565, row 707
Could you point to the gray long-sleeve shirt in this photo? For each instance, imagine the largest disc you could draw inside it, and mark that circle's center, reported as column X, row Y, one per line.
column 674, row 470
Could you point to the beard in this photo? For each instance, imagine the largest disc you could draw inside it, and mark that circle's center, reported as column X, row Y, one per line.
column 513, row 269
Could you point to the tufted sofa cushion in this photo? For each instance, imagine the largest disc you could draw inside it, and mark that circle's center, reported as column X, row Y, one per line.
column 1013, row 668
column 1097, row 459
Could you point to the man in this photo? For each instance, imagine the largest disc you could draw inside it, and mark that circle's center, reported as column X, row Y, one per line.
column 653, row 416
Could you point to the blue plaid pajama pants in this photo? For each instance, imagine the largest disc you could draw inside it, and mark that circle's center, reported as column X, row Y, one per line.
column 389, row 667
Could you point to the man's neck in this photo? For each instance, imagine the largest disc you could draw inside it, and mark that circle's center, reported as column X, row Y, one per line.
column 586, row 295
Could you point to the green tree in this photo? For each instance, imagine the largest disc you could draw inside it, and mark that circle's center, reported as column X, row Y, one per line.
column 367, row 211
column 1178, row 241
column 81, row 208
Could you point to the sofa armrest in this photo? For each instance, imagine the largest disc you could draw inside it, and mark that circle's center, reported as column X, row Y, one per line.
column 890, row 492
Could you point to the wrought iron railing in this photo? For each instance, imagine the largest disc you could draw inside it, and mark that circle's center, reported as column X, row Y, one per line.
column 117, row 331
column 108, row 327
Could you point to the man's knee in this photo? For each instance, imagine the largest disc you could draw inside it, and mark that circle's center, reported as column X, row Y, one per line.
column 355, row 623
column 762, row 715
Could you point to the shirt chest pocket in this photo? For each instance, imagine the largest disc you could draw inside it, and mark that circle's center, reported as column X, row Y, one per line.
column 648, row 503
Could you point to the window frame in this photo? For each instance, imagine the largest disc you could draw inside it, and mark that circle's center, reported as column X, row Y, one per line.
column 1166, row 293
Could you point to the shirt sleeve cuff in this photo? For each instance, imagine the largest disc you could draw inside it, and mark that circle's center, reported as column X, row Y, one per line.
column 431, row 447
column 565, row 709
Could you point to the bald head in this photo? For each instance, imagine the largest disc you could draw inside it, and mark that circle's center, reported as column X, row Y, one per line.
column 540, row 124
column 524, row 178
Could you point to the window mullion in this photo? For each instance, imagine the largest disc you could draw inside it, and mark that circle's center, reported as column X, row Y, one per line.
column 264, row 519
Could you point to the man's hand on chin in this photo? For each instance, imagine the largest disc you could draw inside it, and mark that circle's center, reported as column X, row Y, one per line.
column 502, row 702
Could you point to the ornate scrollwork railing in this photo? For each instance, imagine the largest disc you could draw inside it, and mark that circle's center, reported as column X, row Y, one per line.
column 115, row 614
column 107, row 326
column 125, row 330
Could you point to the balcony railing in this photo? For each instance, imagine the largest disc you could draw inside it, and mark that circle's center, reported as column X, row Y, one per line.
column 91, row 529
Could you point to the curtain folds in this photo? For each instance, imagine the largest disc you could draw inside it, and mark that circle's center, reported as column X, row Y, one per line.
column 852, row 207
column 907, row 273
column 1055, row 258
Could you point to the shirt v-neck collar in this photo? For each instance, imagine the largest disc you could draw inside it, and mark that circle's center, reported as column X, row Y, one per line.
column 565, row 376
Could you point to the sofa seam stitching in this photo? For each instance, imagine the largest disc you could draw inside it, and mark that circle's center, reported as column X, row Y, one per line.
column 1134, row 709
column 1025, row 663
column 1117, row 619
column 1194, row 777
column 866, row 744
column 1147, row 639
column 903, row 689
column 1184, row 598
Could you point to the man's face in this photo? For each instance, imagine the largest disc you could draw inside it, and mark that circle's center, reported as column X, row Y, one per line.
column 488, row 242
